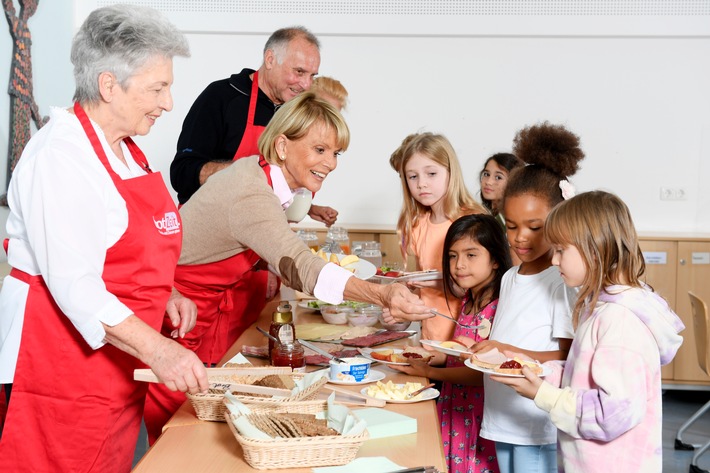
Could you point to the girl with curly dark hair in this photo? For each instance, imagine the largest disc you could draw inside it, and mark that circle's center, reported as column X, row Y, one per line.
column 534, row 314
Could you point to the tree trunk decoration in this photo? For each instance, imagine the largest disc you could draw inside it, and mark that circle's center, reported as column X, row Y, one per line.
column 22, row 104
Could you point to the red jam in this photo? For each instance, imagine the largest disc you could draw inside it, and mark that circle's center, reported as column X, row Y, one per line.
column 412, row 355
column 289, row 354
column 510, row 364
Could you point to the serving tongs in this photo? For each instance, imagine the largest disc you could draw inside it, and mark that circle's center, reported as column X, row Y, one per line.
column 418, row 469
column 473, row 327
column 147, row 375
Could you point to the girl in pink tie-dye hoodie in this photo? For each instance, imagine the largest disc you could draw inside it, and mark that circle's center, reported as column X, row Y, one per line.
column 605, row 399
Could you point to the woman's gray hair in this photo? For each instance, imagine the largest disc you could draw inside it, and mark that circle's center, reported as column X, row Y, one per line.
column 121, row 39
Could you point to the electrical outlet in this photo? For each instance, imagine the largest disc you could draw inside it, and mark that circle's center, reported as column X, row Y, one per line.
column 673, row 193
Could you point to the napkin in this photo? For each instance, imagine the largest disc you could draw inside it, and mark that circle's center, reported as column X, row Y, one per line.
column 369, row 464
column 339, row 418
column 239, row 359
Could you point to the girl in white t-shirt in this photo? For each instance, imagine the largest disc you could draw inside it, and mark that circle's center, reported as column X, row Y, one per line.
column 534, row 312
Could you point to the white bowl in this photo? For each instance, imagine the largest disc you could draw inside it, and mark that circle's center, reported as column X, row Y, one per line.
column 355, row 369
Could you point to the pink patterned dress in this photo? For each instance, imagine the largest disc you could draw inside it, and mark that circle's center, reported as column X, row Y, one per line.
column 460, row 408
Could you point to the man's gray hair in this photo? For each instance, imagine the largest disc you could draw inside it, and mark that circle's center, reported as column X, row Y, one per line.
column 279, row 39
column 121, row 39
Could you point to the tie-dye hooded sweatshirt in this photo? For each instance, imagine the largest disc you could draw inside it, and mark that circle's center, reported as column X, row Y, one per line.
column 608, row 406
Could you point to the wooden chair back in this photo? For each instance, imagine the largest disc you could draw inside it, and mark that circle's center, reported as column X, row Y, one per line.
column 701, row 327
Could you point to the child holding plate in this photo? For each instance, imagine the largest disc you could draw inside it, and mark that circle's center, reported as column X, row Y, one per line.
column 475, row 257
column 607, row 404
column 434, row 196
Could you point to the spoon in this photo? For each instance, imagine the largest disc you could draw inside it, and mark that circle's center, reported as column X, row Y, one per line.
column 268, row 335
column 419, row 391
column 474, row 327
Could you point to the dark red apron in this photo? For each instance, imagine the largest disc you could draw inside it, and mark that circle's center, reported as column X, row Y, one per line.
column 227, row 304
column 74, row 409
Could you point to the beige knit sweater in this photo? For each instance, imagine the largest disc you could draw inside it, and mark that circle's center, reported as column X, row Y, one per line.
column 236, row 210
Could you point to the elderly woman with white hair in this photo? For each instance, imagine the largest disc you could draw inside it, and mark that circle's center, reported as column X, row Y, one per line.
column 94, row 237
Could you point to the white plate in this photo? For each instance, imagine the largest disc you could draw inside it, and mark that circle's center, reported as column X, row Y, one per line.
column 366, row 353
column 430, row 393
column 545, row 371
column 374, row 377
column 437, row 346
column 363, row 268
column 406, row 277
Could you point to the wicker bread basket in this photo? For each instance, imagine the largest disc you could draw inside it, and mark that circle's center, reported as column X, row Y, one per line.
column 301, row 452
column 210, row 406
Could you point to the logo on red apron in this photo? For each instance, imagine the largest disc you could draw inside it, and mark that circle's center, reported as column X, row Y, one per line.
column 169, row 224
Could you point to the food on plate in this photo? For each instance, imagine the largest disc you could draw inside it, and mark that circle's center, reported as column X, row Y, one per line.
column 377, row 338
column 490, row 359
column 417, row 353
column 515, row 366
column 453, row 345
column 382, row 355
column 498, row 362
column 333, row 258
column 349, row 259
column 394, row 392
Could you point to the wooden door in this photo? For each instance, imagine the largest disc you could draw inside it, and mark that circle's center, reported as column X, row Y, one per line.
column 661, row 269
column 693, row 275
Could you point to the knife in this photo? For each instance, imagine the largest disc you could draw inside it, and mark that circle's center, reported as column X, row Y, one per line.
column 320, row 351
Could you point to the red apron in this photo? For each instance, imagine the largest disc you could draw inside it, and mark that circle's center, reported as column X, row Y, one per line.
column 74, row 409
column 249, row 295
column 227, row 304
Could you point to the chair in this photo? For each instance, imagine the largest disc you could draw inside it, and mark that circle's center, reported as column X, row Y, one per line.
column 701, row 325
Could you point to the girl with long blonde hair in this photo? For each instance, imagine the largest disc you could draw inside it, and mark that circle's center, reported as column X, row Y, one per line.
column 434, row 196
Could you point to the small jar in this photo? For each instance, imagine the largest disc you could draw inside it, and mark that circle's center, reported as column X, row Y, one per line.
column 282, row 325
column 309, row 238
column 289, row 354
column 371, row 252
column 339, row 240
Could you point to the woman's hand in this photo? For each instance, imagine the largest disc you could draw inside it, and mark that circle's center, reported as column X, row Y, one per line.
column 178, row 368
column 403, row 304
column 526, row 387
column 182, row 312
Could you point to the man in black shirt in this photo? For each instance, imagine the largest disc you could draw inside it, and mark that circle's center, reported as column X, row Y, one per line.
column 219, row 126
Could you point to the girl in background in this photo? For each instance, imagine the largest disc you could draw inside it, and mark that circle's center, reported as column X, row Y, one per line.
column 475, row 258
column 434, row 196
column 494, row 178
column 607, row 404
column 534, row 314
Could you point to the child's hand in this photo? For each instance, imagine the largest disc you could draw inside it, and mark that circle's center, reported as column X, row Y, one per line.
column 414, row 368
column 526, row 387
column 487, row 345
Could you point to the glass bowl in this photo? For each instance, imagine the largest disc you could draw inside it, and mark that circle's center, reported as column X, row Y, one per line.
column 366, row 316
column 335, row 314
column 395, row 327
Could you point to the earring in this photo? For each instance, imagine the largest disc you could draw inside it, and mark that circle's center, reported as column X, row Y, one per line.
column 282, row 157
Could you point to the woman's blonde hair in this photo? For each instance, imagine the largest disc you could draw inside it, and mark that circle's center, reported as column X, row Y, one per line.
column 600, row 226
column 295, row 118
column 457, row 200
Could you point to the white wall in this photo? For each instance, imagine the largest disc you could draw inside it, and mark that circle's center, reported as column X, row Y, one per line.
column 640, row 104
